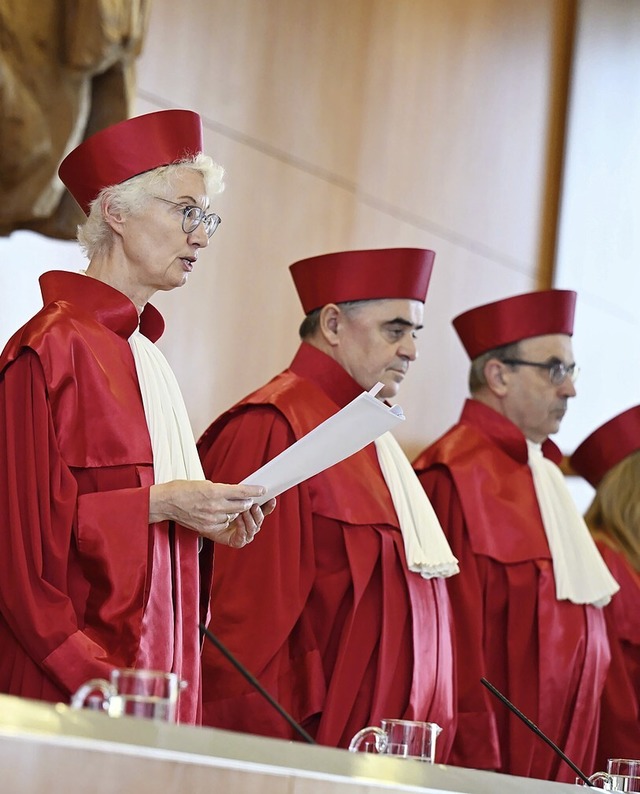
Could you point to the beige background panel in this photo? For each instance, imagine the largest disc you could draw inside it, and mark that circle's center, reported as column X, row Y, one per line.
column 438, row 110
column 599, row 244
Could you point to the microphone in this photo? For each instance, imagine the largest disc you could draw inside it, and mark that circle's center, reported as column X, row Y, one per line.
column 204, row 631
column 537, row 731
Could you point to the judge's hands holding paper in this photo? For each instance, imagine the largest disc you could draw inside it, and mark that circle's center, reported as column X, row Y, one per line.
column 227, row 514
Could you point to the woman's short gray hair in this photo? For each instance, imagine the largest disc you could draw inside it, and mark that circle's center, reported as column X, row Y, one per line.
column 95, row 235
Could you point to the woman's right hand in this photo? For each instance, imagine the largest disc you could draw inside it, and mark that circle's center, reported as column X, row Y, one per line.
column 222, row 513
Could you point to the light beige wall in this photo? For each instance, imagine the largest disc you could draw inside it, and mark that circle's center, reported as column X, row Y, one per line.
column 355, row 124
column 599, row 240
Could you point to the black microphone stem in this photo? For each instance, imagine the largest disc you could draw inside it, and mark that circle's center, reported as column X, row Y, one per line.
column 536, row 730
column 255, row 683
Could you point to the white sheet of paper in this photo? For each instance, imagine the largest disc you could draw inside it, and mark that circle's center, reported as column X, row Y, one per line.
column 346, row 432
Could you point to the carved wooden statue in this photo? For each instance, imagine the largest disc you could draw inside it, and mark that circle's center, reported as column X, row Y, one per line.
column 66, row 71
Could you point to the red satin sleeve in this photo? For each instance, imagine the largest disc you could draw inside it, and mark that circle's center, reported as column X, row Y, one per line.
column 38, row 503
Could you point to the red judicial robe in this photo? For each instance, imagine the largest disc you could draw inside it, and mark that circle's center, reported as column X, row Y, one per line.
column 619, row 735
column 86, row 584
column 321, row 607
column 548, row 657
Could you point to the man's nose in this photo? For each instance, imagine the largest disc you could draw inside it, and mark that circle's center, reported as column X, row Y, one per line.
column 568, row 388
column 409, row 348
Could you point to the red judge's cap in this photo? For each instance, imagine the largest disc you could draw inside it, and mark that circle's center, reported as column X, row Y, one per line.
column 127, row 149
column 607, row 446
column 363, row 275
column 512, row 319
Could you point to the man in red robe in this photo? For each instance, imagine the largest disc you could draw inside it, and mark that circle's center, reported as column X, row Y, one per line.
column 609, row 459
column 526, row 604
column 322, row 608
column 103, row 501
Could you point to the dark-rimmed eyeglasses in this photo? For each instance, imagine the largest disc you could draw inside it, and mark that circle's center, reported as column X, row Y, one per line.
column 192, row 217
column 558, row 372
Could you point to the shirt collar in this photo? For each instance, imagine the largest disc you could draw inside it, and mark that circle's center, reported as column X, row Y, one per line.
column 326, row 373
column 504, row 433
column 108, row 305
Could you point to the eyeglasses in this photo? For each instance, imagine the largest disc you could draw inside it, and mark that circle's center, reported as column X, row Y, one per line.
column 192, row 217
column 558, row 372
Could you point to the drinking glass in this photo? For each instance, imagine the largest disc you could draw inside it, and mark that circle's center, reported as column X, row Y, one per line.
column 623, row 774
column 150, row 694
column 403, row 738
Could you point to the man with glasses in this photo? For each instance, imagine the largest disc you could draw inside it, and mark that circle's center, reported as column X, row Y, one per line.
column 103, row 501
column 527, row 603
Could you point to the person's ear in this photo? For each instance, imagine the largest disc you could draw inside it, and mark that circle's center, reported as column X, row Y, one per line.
column 330, row 322
column 115, row 219
column 495, row 373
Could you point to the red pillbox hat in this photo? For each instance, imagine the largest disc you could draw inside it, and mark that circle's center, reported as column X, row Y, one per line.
column 512, row 319
column 611, row 443
column 127, row 149
column 363, row 275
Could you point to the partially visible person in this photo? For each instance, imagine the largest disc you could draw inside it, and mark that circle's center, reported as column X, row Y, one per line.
column 326, row 608
column 609, row 459
column 527, row 603
column 103, row 501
